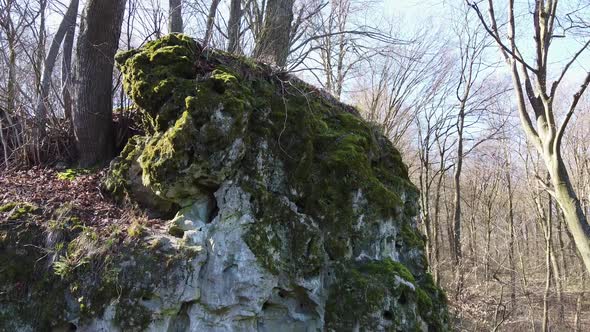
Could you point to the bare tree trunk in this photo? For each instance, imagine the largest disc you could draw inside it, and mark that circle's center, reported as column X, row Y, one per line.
column 561, row 229
column 425, row 184
column 273, row 45
column 175, row 16
column 511, row 231
column 473, row 246
column 556, row 273
column 42, row 40
column 50, row 60
column 545, row 327
column 435, row 230
column 579, row 302
column 211, row 21
column 233, row 26
column 93, row 72
column 11, row 84
column 488, row 243
column 457, row 255
column 570, row 206
column 545, row 221
column 66, row 64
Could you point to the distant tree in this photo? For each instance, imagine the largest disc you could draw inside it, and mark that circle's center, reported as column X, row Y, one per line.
column 175, row 16
column 233, row 26
column 211, row 21
column 100, row 30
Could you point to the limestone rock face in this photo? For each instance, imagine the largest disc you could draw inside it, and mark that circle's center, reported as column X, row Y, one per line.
column 291, row 213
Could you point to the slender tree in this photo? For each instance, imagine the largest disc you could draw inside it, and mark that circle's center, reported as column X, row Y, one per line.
column 66, row 64
column 233, row 26
column 68, row 22
column 530, row 81
column 211, row 21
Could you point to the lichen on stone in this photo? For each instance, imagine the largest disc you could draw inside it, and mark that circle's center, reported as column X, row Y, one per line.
column 18, row 210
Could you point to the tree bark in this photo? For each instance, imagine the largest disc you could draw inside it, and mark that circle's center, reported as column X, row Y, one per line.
column 579, row 301
column 435, row 230
column 66, row 64
column 41, row 43
column 233, row 26
column 175, row 16
column 211, row 21
column 11, row 84
column 570, row 206
column 511, row 231
column 549, row 251
column 100, row 30
column 457, row 254
column 273, row 45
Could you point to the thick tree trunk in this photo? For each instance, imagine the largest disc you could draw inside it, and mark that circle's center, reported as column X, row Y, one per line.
column 273, row 45
column 175, row 16
column 233, row 26
column 92, row 77
column 68, row 20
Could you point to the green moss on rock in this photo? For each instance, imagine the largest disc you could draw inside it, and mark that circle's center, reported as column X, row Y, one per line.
column 163, row 71
column 323, row 182
column 18, row 210
column 374, row 295
column 29, row 292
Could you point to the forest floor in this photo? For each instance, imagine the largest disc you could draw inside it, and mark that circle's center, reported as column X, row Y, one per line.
column 488, row 306
column 77, row 191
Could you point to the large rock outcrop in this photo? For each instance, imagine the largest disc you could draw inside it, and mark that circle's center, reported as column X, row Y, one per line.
column 288, row 211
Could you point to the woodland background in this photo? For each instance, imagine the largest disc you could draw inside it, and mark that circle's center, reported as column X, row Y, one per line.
column 485, row 99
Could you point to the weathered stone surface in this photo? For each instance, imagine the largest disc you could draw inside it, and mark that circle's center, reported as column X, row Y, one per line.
column 292, row 213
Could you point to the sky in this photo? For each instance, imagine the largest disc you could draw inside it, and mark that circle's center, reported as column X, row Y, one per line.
column 438, row 13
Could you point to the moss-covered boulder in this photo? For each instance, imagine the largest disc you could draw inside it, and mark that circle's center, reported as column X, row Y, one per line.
column 292, row 213
column 318, row 196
